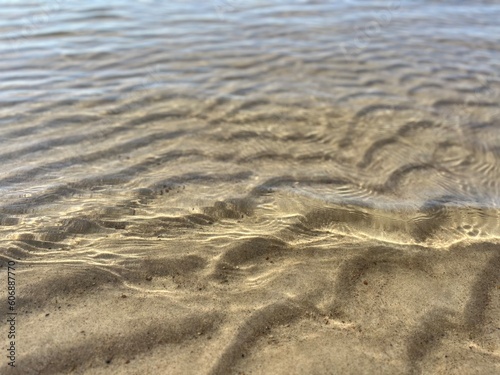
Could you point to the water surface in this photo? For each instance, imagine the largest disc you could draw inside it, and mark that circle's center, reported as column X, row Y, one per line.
column 145, row 139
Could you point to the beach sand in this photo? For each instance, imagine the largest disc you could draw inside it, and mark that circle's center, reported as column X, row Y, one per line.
column 262, row 306
column 252, row 190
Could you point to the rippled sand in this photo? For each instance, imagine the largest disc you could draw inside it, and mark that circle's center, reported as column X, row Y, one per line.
column 247, row 187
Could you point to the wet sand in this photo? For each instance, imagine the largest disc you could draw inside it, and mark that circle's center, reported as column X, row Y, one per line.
column 249, row 188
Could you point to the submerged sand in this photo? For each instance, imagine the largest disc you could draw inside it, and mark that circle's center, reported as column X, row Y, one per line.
column 251, row 189
column 261, row 306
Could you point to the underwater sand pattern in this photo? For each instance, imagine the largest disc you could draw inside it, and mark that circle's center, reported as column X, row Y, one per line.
column 252, row 188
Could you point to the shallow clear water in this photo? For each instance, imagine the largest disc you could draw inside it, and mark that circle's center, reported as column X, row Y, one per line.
column 191, row 134
column 389, row 110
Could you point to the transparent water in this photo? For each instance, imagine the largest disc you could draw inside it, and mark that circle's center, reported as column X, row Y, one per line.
column 148, row 138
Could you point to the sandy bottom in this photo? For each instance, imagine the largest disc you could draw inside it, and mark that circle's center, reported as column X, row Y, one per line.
column 251, row 187
column 263, row 307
